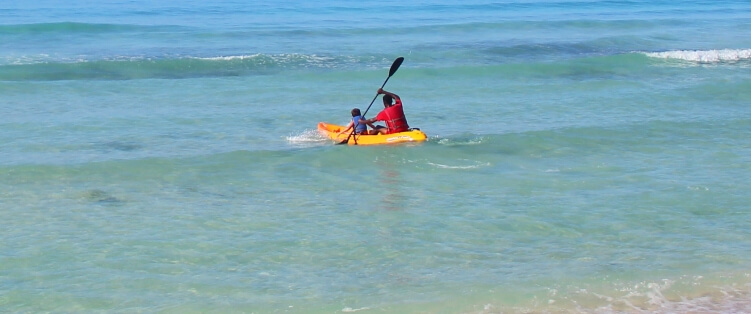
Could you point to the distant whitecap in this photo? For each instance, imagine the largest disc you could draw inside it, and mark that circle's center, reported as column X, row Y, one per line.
column 704, row 56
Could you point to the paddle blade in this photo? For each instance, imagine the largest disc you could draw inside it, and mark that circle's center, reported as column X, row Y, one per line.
column 395, row 66
column 346, row 140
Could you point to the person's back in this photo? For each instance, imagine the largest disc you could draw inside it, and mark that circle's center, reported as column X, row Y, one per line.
column 360, row 128
column 393, row 113
column 394, row 117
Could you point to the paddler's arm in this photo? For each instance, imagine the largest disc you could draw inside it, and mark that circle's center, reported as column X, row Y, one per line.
column 349, row 126
column 369, row 122
column 382, row 91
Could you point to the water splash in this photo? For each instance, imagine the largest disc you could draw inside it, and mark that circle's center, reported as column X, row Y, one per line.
column 307, row 138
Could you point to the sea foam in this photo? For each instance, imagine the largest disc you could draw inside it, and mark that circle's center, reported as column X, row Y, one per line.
column 704, row 56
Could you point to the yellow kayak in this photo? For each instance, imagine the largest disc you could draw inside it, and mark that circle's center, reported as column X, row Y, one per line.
column 332, row 130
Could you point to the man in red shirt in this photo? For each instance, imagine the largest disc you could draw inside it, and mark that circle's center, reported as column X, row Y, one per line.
column 392, row 114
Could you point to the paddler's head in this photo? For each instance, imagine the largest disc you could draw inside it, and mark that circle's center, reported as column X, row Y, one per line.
column 356, row 112
column 387, row 101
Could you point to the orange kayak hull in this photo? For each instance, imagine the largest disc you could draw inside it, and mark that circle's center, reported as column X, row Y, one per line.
column 331, row 131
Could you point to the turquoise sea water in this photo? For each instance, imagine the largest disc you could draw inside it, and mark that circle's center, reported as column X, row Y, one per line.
column 583, row 156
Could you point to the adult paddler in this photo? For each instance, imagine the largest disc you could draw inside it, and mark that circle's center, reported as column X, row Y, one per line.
column 392, row 114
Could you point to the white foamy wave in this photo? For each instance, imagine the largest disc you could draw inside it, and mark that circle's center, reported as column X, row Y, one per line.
column 704, row 56
column 30, row 59
column 291, row 58
column 658, row 297
column 230, row 58
column 457, row 142
column 276, row 58
column 470, row 165
column 687, row 294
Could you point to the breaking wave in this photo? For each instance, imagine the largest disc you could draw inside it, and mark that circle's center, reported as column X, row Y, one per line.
column 704, row 56
column 126, row 68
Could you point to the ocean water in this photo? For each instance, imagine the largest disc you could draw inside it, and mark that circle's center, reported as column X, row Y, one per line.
column 583, row 157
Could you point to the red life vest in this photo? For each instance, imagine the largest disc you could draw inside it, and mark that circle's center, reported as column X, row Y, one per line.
column 394, row 117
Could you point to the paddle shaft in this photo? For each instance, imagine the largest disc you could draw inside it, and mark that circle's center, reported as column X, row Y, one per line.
column 374, row 98
column 394, row 67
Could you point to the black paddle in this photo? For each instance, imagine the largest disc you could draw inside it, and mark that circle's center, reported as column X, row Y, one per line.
column 394, row 67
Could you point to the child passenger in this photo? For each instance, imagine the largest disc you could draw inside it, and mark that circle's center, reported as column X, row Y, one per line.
column 360, row 125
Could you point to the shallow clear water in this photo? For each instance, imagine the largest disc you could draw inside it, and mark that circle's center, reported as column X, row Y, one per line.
column 584, row 156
